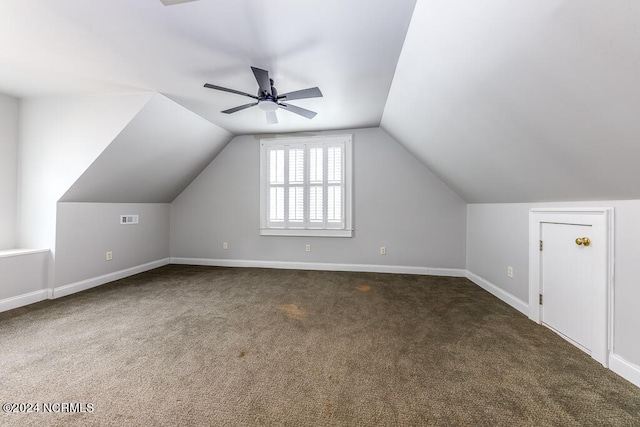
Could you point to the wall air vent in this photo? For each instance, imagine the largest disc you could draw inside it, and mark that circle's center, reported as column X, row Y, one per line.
column 129, row 219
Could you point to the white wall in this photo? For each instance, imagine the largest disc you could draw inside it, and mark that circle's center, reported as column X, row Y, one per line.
column 398, row 204
column 59, row 138
column 86, row 231
column 9, row 125
column 497, row 236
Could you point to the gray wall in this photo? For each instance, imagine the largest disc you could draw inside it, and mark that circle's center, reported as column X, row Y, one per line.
column 497, row 236
column 86, row 231
column 9, row 125
column 157, row 154
column 22, row 273
column 398, row 204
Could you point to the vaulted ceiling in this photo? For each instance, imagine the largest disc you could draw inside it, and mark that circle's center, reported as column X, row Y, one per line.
column 504, row 100
column 528, row 100
column 349, row 49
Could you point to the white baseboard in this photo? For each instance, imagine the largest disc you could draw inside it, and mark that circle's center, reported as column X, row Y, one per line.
column 72, row 288
column 627, row 370
column 368, row 268
column 22, row 300
column 505, row 296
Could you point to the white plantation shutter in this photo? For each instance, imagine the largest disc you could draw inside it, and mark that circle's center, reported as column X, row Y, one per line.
column 334, row 184
column 276, row 185
column 276, row 208
column 316, row 169
column 296, row 205
column 315, row 165
column 306, row 186
column 296, row 185
column 316, row 212
column 334, row 204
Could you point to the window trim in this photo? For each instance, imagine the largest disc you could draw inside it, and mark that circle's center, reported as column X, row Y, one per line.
column 347, row 231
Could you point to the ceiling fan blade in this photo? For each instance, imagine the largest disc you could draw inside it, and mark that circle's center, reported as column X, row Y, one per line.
column 262, row 77
column 298, row 110
column 312, row 92
column 224, row 89
column 239, row 108
column 272, row 118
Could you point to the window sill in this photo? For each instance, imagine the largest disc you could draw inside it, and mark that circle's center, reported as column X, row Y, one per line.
column 305, row 232
column 20, row 252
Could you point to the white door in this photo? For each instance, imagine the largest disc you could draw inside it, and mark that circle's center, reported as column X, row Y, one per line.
column 567, row 281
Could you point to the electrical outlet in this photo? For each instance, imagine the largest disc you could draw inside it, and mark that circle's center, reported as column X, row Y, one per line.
column 383, row 250
column 109, row 256
column 225, row 245
column 308, row 248
column 510, row 272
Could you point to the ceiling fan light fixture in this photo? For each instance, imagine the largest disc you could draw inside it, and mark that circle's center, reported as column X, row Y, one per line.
column 267, row 98
column 172, row 2
column 267, row 105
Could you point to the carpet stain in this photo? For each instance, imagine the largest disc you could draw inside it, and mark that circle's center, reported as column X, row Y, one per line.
column 241, row 355
column 329, row 407
column 293, row 311
column 363, row 288
column 441, row 309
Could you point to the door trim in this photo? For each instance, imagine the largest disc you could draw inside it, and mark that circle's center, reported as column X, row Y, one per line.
column 601, row 221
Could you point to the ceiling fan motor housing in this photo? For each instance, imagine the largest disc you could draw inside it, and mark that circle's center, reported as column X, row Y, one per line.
column 264, row 95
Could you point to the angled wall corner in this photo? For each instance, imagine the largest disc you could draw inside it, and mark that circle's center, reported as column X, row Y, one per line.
column 156, row 156
column 60, row 136
column 145, row 166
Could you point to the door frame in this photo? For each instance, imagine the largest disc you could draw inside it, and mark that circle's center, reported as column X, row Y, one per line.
column 601, row 221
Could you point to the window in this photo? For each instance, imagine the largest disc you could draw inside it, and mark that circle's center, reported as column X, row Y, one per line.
column 305, row 186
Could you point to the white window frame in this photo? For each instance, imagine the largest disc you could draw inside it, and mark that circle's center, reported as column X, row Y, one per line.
column 267, row 229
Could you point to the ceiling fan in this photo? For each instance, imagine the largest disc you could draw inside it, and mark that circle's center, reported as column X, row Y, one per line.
column 268, row 99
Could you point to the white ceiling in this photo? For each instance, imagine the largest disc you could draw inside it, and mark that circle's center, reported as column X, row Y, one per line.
column 505, row 101
column 347, row 48
column 528, row 100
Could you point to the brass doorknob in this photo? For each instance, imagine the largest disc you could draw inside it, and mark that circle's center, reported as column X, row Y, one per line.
column 583, row 241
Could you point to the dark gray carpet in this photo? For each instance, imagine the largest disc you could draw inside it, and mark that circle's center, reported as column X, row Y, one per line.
column 184, row 345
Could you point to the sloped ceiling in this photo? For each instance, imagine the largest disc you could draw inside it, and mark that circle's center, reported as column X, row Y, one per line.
column 505, row 101
column 153, row 159
column 528, row 100
column 349, row 49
